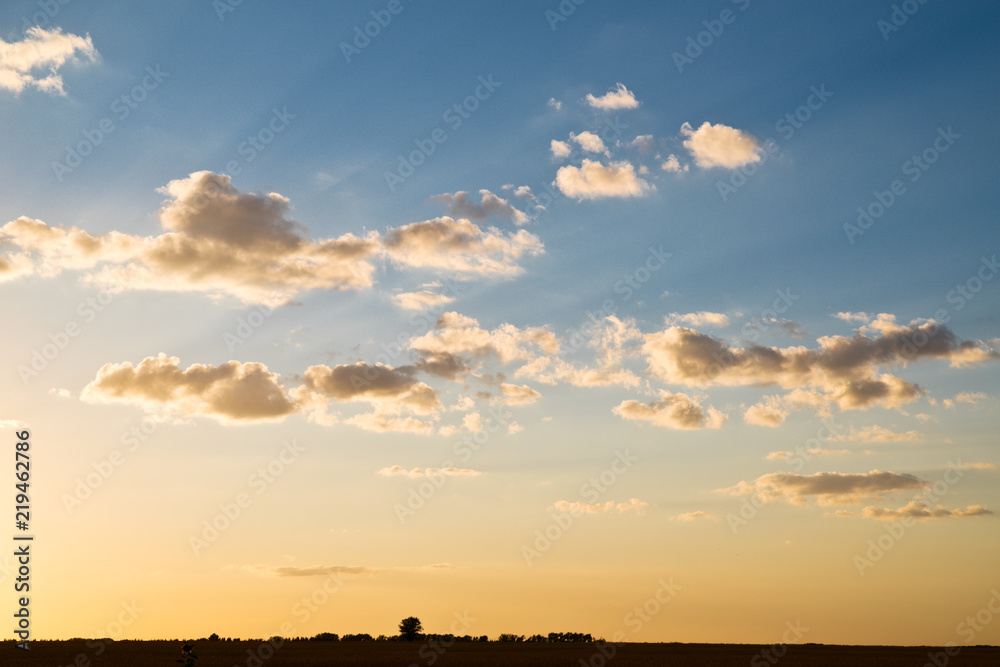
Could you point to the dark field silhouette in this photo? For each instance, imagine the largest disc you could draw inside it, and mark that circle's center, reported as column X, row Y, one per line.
column 404, row 654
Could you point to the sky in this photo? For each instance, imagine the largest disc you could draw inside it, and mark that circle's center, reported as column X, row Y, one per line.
column 658, row 321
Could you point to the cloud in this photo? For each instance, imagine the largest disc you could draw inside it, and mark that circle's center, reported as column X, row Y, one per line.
column 461, row 246
column 314, row 571
column 555, row 104
column 383, row 422
column 853, row 317
column 560, row 149
column 678, row 411
column 844, row 370
column 817, row 451
column 41, row 49
column 829, row 488
column 420, row 300
column 720, row 146
column 673, row 164
column 385, row 386
column 578, row 507
column 701, row 318
column 592, row 180
column 919, row 510
column 589, row 142
column 220, row 241
column 877, row 434
column 231, row 392
column 417, row 473
column 971, row 397
column 217, row 240
column 619, row 97
column 489, row 206
column 459, row 335
column 643, row 142
column 515, row 394
column 693, row 516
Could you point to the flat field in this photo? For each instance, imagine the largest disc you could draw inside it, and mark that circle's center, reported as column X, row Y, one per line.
column 78, row 653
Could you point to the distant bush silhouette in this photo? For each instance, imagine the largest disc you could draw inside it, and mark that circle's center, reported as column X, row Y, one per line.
column 325, row 637
column 362, row 637
column 214, row 637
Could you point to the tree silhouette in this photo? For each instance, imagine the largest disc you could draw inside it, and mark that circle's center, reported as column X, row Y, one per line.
column 410, row 628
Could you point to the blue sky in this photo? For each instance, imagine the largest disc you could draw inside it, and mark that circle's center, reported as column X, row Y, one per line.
column 688, row 173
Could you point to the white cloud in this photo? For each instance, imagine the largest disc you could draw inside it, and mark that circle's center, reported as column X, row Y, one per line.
column 516, row 394
column 701, row 318
column 693, row 516
column 420, row 300
column 619, row 97
column 589, row 142
column 555, row 104
column 578, row 507
column 417, row 473
column 560, row 149
column 593, row 180
column 720, row 146
column 41, row 49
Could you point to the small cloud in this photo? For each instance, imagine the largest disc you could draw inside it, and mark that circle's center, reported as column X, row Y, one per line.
column 417, row 473
column 560, row 149
column 720, row 146
column 555, row 104
column 694, row 516
column 589, row 142
column 59, row 393
column 918, row 510
column 619, row 97
column 673, row 164
column 701, row 318
column 420, row 300
column 578, row 507
column 593, row 180
column 513, row 428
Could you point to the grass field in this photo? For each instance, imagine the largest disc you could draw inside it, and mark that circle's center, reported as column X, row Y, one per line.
column 402, row 654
